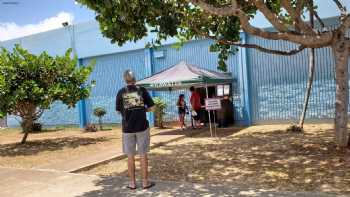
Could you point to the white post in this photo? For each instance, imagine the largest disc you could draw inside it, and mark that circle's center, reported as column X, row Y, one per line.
column 210, row 127
column 215, row 134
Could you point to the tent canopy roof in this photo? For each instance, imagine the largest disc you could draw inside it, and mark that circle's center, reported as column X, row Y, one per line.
column 183, row 75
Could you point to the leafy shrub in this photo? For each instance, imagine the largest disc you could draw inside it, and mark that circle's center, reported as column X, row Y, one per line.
column 159, row 111
column 100, row 112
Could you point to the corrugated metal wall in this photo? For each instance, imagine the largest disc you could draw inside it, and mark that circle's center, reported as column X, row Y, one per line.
column 58, row 114
column 108, row 74
column 278, row 84
column 196, row 53
column 109, row 68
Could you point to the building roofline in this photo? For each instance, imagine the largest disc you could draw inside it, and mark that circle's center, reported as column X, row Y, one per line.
column 98, row 46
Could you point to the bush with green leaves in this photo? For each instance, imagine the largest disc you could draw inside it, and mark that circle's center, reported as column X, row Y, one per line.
column 30, row 83
column 100, row 112
column 159, row 111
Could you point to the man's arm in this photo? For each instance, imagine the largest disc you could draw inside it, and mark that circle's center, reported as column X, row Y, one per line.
column 118, row 102
column 148, row 101
column 192, row 101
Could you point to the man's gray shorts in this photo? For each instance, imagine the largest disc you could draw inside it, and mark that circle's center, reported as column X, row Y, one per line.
column 139, row 141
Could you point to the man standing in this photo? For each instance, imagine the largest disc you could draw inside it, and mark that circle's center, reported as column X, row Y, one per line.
column 196, row 106
column 133, row 102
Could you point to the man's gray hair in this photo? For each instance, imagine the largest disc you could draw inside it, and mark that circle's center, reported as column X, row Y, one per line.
column 129, row 76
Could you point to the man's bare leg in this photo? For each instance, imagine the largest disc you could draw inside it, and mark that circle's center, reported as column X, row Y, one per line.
column 198, row 124
column 131, row 171
column 144, row 170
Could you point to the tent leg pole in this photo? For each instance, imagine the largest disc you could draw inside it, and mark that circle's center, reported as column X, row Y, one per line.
column 210, row 126
column 215, row 124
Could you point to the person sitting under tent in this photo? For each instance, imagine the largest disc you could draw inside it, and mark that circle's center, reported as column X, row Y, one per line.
column 196, row 107
column 225, row 114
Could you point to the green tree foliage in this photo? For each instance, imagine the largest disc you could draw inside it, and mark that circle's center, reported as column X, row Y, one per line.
column 131, row 20
column 30, row 83
column 100, row 112
column 159, row 111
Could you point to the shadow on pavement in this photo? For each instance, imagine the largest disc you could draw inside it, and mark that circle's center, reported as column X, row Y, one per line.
column 115, row 186
column 203, row 132
column 272, row 160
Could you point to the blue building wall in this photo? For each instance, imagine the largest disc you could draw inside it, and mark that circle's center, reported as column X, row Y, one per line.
column 108, row 76
column 196, row 53
column 87, row 38
column 109, row 68
column 279, row 83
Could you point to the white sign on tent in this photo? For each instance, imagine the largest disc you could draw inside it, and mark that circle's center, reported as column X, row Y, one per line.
column 212, row 104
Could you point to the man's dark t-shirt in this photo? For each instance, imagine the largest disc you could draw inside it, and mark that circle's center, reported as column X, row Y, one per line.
column 132, row 102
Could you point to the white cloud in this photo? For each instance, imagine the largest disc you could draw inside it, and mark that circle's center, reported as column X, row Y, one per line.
column 10, row 30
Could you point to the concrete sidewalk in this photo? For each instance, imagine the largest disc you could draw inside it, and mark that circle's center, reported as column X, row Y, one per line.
column 45, row 183
column 110, row 153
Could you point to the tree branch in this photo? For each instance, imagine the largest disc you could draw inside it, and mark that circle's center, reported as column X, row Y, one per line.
column 266, row 50
column 218, row 11
column 319, row 19
column 309, row 41
column 234, row 4
column 345, row 24
column 38, row 114
column 254, row 46
column 304, row 27
column 348, row 42
column 271, row 17
column 341, row 7
column 299, row 7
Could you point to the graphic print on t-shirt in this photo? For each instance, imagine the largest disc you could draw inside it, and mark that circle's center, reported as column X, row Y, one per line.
column 132, row 100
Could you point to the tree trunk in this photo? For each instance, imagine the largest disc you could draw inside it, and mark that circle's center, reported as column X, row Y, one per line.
column 100, row 122
column 309, row 86
column 341, row 54
column 311, row 73
column 27, row 126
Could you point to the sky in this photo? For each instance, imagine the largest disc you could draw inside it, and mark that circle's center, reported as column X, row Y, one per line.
column 24, row 17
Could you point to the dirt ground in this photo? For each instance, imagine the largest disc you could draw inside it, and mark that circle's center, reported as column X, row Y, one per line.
column 262, row 156
column 55, row 145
